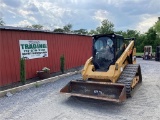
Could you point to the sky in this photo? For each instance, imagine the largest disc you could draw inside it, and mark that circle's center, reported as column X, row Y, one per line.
column 137, row 15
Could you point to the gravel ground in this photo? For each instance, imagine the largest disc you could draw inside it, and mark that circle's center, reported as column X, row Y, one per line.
column 46, row 103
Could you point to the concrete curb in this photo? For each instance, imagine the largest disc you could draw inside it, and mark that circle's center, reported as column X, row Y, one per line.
column 27, row 86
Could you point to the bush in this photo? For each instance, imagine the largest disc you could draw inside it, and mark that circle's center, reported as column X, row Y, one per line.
column 45, row 69
column 62, row 63
column 22, row 71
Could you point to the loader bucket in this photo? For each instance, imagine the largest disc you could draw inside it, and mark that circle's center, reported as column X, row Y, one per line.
column 96, row 90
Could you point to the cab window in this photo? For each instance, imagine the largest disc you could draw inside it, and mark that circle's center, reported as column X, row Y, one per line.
column 120, row 47
column 98, row 45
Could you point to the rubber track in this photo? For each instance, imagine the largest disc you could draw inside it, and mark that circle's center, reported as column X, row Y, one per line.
column 127, row 77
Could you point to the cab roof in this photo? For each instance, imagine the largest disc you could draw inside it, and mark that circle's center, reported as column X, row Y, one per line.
column 109, row 35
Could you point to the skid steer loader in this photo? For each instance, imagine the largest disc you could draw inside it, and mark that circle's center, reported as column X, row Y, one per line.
column 111, row 73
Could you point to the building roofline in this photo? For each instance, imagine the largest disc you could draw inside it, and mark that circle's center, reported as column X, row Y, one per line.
column 35, row 30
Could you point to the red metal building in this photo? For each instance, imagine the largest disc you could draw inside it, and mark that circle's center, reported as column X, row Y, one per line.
column 76, row 49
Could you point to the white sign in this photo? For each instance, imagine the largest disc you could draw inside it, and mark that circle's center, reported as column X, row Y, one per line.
column 31, row 49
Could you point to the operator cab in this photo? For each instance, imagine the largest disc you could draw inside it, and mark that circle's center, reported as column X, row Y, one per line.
column 106, row 50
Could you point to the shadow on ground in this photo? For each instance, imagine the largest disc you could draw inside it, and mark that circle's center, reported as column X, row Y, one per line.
column 87, row 104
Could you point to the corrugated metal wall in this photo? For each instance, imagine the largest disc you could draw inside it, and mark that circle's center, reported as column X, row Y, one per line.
column 76, row 49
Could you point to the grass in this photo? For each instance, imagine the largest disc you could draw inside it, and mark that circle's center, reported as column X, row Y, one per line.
column 37, row 85
column 139, row 54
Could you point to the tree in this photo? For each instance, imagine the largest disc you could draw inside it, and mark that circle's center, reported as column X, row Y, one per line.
column 140, row 42
column 151, row 35
column 157, row 42
column 129, row 33
column 150, row 38
column 132, row 33
column 157, row 29
column 36, row 26
column 119, row 32
column 67, row 28
column 157, row 26
column 2, row 23
column 58, row 30
column 155, row 33
column 92, row 32
column 81, row 32
column 106, row 27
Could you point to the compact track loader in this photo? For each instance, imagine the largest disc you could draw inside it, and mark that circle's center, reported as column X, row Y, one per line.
column 111, row 73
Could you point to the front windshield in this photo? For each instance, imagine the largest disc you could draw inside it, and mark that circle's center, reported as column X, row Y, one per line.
column 104, row 52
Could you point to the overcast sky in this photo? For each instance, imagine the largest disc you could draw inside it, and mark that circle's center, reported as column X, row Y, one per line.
column 87, row 14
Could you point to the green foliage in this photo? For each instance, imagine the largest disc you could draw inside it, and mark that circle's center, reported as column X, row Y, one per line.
column 92, row 32
column 139, row 54
column 157, row 26
column 81, row 32
column 22, row 71
column 140, row 42
column 45, row 69
column 106, row 27
column 36, row 26
column 58, row 30
column 119, row 32
column 2, row 23
column 157, row 41
column 128, row 33
column 62, row 63
column 67, row 28
column 151, row 37
column 37, row 85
